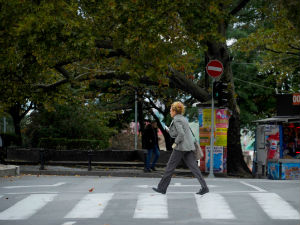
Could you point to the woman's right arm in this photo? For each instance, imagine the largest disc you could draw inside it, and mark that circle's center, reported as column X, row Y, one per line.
column 180, row 132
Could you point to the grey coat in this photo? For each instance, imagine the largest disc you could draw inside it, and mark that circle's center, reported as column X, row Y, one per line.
column 180, row 130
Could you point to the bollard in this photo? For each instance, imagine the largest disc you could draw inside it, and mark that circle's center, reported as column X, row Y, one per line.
column 263, row 170
column 254, row 170
column 90, row 154
column 42, row 159
column 280, row 170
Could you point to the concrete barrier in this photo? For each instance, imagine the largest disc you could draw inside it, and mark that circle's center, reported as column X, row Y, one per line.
column 9, row 170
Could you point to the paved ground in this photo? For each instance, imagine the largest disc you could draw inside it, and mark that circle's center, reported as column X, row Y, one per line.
column 66, row 200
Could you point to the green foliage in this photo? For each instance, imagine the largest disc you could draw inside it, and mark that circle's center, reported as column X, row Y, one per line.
column 276, row 40
column 70, row 144
column 76, row 121
column 255, row 91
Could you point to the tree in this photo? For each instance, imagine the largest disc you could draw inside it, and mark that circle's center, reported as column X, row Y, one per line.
column 276, row 40
column 36, row 38
column 137, row 43
column 73, row 121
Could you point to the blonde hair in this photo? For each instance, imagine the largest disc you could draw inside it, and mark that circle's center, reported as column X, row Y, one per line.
column 178, row 107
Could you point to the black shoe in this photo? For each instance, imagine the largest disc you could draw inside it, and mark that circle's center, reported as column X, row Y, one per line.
column 146, row 170
column 203, row 191
column 161, row 192
column 153, row 169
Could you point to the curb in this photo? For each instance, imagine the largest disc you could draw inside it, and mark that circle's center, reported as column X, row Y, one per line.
column 9, row 170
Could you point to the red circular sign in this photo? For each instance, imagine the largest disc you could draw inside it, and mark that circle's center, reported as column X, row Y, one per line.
column 214, row 68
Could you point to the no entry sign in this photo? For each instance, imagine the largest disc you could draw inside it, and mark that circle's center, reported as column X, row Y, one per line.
column 296, row 99
column 214, row 68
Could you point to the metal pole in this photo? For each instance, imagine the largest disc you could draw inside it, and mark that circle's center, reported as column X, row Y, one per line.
column 89, row 160
column 135, row 120
column 280, row 170
column 4, row 124
column 211, row 169
column 42, row 159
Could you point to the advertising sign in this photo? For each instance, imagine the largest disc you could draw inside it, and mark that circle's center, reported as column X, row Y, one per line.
column 218, row 158
column 220, row 136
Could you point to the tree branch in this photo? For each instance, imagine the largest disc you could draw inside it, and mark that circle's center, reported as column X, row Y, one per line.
column 241, row 5
column 279, row 52
column 154, row 106
column 179, row 81
column 27, row 110
column 114, row 52
column 49, row 87
column 293, row 47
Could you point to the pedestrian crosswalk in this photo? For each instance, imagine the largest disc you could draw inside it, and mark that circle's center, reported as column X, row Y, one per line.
column 212, row 206
column 91, row 206
column 26, row 207
column 275, row 206
column 151, row 206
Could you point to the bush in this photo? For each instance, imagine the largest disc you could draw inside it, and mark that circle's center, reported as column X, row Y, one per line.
column 9, row 139
column 70, row 144
column 68, row 122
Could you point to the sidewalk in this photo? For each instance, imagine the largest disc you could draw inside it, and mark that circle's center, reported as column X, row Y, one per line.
column 80, row 168
column 99, row 171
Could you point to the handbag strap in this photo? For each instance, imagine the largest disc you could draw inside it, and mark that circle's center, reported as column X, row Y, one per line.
column 193, row 135
column 192, row 132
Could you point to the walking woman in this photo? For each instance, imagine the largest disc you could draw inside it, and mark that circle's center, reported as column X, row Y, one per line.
column 182, row 149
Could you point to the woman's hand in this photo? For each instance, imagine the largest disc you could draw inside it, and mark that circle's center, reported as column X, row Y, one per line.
column 174, row 145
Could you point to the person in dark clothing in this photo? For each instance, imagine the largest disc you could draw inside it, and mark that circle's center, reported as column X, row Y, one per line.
column 151, row 144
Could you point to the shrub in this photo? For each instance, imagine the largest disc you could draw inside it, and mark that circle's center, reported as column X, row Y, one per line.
column 9, row 139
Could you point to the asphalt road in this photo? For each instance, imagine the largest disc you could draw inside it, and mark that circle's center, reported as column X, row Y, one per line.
column 66, row 200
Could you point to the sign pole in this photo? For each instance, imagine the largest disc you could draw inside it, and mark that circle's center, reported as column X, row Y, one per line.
column 211, row 167
column 135, row 121
column 214, row 68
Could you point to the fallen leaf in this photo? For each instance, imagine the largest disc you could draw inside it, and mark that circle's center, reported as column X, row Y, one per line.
column 91, row 190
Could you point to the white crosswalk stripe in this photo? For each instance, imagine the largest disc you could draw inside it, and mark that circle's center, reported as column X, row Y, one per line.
column 213, row 206
column 151, row 206
column 275, row 207
column 91, row 206
column 26, row 207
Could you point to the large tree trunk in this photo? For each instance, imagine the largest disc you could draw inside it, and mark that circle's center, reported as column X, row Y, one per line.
column 14, row 111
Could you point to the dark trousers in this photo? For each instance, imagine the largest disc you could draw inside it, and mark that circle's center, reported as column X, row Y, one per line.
column 149, row 156
column 175, row 158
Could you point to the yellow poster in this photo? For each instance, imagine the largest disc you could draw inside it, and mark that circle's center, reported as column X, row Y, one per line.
column 221, row 137
column 207, row 118
column 221, row 127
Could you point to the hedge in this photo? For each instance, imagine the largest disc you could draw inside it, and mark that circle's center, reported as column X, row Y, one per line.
column 9, row 139
column 70, row 144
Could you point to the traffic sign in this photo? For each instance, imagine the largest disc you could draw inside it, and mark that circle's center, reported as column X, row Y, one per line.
column 296, row 99
column 214, row 68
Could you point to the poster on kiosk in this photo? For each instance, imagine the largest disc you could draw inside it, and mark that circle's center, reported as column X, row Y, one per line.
column 220, row 144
